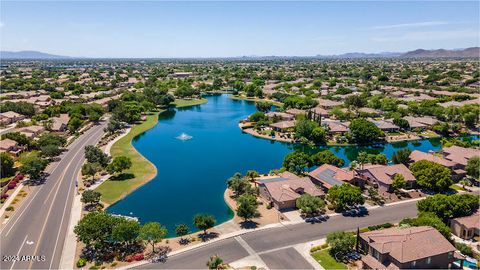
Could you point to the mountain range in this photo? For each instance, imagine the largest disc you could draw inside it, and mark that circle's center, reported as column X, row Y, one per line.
column 29, row 55
column 473, row 52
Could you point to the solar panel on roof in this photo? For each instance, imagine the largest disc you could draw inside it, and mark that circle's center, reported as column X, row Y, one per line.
column 327, row 177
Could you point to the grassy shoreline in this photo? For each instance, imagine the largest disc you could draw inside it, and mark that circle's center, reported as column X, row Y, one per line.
column 142, row 169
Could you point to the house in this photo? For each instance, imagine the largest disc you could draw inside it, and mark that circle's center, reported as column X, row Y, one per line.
column 10, row 117
column 386, row 125
column 10, row 146
column 397, row 94
column 31, row 131
column 407, row 248
column 466, row 227
column 328, row 176
column 280, row 115
column 336, row 127
column 317, row 113
column 328, row 104
column 420, row 122
column 295, row 112
column 283, row 190
column 457, row 169
column 283, row 126
column 459, row 155
column 381, row 176
column 59, row 123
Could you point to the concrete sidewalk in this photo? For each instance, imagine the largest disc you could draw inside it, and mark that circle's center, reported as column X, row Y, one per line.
column 67, row 260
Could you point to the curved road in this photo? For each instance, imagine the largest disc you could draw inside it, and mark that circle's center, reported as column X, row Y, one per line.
column 35, row 234
column 274, row 246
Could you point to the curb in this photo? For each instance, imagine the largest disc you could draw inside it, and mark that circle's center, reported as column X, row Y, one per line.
column 10, row 199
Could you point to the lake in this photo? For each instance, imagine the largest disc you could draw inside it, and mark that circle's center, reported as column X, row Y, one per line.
column 192, row 173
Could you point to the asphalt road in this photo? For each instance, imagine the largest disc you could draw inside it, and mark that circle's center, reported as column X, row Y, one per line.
column 275, row 245
column 35, row 234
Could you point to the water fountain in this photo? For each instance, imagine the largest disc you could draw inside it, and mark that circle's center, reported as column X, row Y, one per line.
column 184, row 137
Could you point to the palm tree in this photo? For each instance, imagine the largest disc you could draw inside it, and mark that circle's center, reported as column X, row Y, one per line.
column 362, row 158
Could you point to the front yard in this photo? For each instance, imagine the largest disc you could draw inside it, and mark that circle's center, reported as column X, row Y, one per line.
column 327, row 261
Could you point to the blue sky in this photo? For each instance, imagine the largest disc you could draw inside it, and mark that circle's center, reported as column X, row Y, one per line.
column 207, row 29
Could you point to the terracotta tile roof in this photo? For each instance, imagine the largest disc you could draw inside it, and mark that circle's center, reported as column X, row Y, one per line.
column 327, row 103
column 385, row 174
column 460, row 155
column 419, row 155
column 7, row 144
column 11, row 114
column 286, row 189
column 472, row 221
column 283, row 124
column 408, row 244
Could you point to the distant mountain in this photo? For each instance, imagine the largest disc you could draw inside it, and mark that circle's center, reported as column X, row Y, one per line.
column 29, row 55
column 367, row 55
column 442, row 53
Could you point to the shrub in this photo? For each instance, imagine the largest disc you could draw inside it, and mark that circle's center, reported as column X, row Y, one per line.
column 19, row 177
column 464, row 249
column 81, row 262
column 138, row 257
column 12, row 185
column 129, row 258
column 380, row 226
column 113, row 264
column 10, row 208
column 4, row 196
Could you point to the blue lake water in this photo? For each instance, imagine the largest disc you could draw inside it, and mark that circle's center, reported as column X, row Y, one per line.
column 192, row 174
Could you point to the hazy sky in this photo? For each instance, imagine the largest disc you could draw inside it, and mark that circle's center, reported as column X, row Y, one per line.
column 203, row 29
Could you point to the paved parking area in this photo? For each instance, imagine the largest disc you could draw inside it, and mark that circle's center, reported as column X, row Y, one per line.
column 287, row 258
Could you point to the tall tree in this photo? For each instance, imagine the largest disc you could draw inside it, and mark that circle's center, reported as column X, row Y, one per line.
column 152, row 233
column 204, row 222
column 431, row 175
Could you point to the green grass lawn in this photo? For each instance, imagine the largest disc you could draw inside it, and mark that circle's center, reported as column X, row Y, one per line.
column 327, row 261
column 142, row 170
column 189, row 102
column 456, row 187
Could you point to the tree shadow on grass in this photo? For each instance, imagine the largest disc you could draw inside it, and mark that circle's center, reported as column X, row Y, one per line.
column 248, row 224
column 208, row 236
column 122, row 177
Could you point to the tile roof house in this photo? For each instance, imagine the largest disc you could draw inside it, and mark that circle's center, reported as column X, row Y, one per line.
column 420, row 122
column 454, row 159
column 382, row 175
column 31, row 131
column 317, row 113
column 281, row 115
column 10, row 146
column 59, row 124
column 385, row 125
column 10, row 117
column 284, row 189
column 459, row 155
column 327, row 104
column 328, row 176
column 295, row 112
column 466, row 227
column 283, row 125
column 336, row 127
column 406, row 248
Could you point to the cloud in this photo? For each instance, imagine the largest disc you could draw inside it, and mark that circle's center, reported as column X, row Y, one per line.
column 430, row 36
column 410, row 25
column 2, row 24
